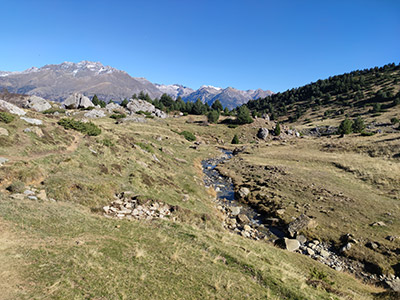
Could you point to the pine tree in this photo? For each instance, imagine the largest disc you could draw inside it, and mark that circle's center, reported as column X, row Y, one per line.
column 213, row 116
column 277, row 130
column 345, row 127
column 124, row 103
column 358, row 125
column 95, row 100
column 217, row 105
column 235, row 139
column 243, row 116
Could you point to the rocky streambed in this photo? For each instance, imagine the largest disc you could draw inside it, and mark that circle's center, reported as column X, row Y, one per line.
column 246, row 221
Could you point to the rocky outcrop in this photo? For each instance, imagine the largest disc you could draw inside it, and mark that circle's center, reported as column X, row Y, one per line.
column 110, row 107
column 32, row 121
column 77, row 101
column 37, row 103
column 263, row 133
column 128, row 205
column 135, row 106
column 302, row 222
column 11, row 108
column 95, row 113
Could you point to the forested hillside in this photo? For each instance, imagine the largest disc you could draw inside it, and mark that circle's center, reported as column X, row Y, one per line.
column 369, row 91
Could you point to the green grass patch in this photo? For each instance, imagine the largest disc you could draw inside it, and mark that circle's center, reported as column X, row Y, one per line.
column 6, row 117
column 85, row 128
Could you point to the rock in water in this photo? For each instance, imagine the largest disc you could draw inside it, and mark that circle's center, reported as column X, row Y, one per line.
column 77, row 101
column 11, row 108
column 263, row 133
column 37, row 103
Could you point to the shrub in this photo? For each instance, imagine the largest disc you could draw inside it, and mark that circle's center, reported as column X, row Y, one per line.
column 6, row 117
column 86, row 128
column 53, row 110
column 16, row 187
column 235, row 139
column 188, row 136
column 345, row 127
column 358, row 125
column 364, row 133
column 118, row 116
column 394, row 120
column 213, row 116
column 243, row 116
column 277, row 130
column 107, row 142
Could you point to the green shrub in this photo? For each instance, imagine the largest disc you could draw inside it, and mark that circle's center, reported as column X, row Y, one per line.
column 6, row 117
column 394, row 120
column 364, row 133
column 235, row 139
column 213, row 116
column 320, row 275
column 86, row 128
column 146, row 113
column 118, row 115
column 232, row 126
column 16, row 187
column 243, row 116
column 53, row 110
column 107, row 142
column 358, row 125
column 277, row 130
column 346, row 127
column 188, row 135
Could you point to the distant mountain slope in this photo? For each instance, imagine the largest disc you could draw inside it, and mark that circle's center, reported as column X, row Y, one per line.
column 369, row 91
column 57, row 82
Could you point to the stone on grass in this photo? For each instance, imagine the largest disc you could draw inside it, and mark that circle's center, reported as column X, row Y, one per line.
column 292, row 244
column 11, row 108
column 32, row 121
column 3, row 131
column 37, row 103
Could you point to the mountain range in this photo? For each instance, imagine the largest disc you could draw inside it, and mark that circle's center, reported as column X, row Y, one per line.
column 57, row 82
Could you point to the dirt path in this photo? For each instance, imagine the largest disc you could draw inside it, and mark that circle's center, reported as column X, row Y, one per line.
column 70, row 149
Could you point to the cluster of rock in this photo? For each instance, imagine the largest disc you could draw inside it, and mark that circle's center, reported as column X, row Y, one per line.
column 31, row 194
column 77, row 101
column 264, row 134
column 135, row 106
column 320, row 131
column 127, row 205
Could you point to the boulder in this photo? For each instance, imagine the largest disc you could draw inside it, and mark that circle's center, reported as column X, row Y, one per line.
column 235, row 210
column 292, row 244
column 265, row 117
column 77, row 101
column 3, row 131
column 37, row 103
column 243, row 219
column 32, row 121
column 110, row 107
column 3, row 161
column 135, row 106
column 263, row 133
column 11, row 108
column 243, row 192
column 95, row 113
column 302, row 222
column 302, row 239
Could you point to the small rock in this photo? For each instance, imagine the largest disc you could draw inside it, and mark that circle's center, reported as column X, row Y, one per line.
column 247, row 228
column 324, row 253
column 243, row 192
column 42, row 195
column 3, row 161
column 235, row 210
column 31, row 197
column 280, row 211
column 186, row 198
column 392, row 238
column 29, row 192
column 310, row 251
column 17, row 196
column 346, row 247
column 372, row 245
column 380, row 223
column 243, row 219
column 35, row 130
column 302, row 239
column 3, row 131
column 32, row 121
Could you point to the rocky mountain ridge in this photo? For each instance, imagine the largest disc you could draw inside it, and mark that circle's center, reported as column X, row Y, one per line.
column 57, row 82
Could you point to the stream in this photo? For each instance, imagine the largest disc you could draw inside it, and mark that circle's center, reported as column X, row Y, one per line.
column 245, row 220
column 227, row 200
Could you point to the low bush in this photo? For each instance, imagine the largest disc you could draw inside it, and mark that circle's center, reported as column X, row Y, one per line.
column 6, row 117
column 53, row 110
column 118, row 116
column 188, row 136
column 85, row 128
column 16, row 187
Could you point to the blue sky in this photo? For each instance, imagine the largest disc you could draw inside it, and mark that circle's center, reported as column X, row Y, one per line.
column 245, row 44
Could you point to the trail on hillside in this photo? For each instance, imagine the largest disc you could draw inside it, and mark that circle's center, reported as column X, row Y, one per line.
column 70, row 149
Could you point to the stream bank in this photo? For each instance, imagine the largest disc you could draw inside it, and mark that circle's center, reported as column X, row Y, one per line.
column 246, row 221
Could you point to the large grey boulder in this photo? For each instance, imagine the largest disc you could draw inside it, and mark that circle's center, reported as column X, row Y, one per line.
column 135, row 106
column 37, row 103
column 263, row 133
column 77, row 101
column 110, row 107
column 11, row 108
column 95, row 113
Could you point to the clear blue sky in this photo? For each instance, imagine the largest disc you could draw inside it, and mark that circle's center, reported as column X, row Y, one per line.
column 245, row 44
